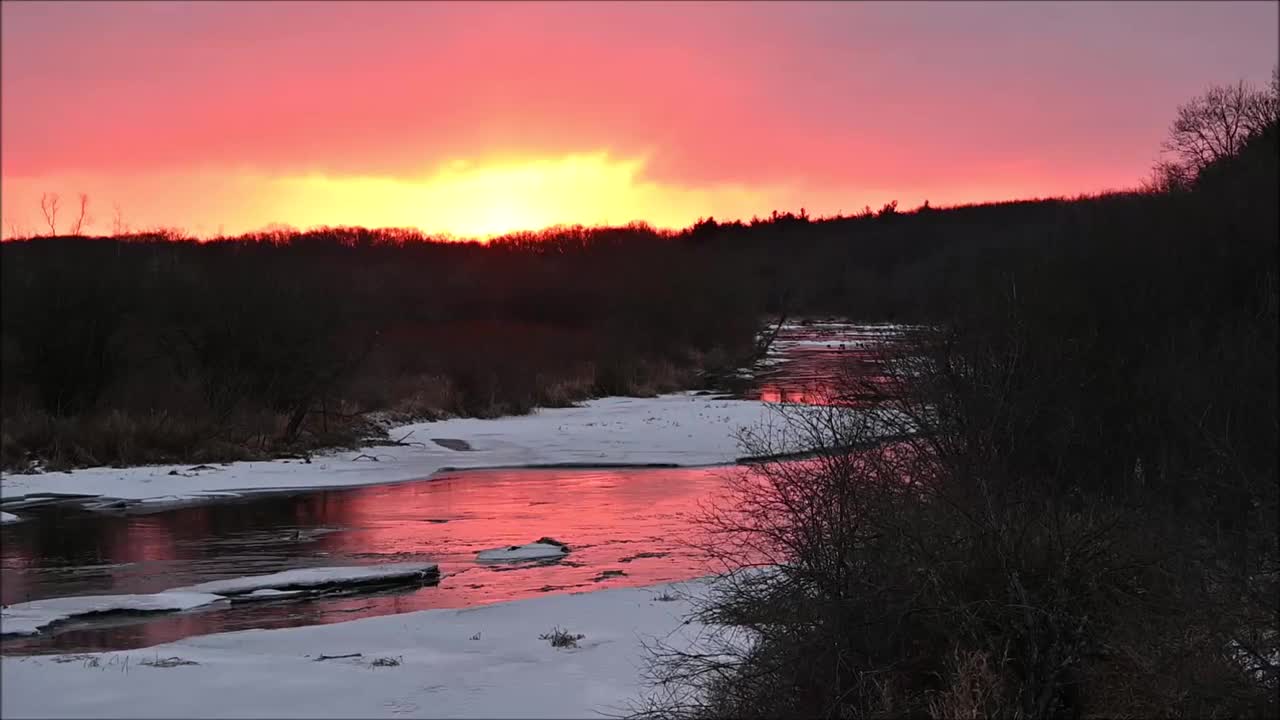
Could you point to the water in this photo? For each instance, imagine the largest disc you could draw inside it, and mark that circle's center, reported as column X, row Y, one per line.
column 814, row 358
column 625, row 526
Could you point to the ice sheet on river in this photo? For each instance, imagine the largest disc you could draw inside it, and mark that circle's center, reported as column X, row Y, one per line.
column 533, row 551
column 480, row 662
column 319, row 577
column 29, row 617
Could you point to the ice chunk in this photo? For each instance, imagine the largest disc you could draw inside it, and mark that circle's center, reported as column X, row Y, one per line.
column 27, row 618
column 544, row 549
column 267, row 594
column 321, row 577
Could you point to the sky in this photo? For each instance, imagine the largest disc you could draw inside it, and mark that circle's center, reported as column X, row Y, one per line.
column 478, row 118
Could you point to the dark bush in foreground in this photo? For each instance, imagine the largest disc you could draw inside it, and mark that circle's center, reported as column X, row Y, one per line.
column 1081, row 522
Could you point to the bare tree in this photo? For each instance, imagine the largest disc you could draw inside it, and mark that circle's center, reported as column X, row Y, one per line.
column 49, row 206
column 83, row 218
column 118, row 226
column 1218, row 123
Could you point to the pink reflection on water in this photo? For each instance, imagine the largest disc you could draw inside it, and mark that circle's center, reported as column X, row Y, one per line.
column 634, row 521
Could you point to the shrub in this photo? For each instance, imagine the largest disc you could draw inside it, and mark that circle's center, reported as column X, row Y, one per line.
column 561, row 638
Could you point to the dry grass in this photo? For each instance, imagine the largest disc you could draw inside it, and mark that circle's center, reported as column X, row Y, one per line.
column 975, row 690
column 34, row 440
column 188, row 432
column 561, row 638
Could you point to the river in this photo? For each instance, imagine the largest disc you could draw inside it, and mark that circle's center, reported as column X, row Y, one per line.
column 625, row 527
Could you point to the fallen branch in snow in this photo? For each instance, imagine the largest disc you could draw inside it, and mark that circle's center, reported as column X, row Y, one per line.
column 339, row 657
column 387, row 442
column 168, row 662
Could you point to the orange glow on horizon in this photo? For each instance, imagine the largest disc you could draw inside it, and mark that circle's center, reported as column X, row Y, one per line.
column 476, row 119
column 471, row 200
column 462, row 199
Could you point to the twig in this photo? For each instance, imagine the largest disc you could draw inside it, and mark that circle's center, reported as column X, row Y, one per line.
column 339, row 657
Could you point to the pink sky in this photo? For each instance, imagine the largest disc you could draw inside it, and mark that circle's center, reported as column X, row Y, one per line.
column 481, row 117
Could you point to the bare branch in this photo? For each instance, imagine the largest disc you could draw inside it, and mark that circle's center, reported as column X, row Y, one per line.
column 49, row 207
column 118, row 225
column 83, row 218
column 1218, row 123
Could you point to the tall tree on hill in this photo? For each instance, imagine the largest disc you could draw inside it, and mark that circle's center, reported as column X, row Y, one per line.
column 1217, row 124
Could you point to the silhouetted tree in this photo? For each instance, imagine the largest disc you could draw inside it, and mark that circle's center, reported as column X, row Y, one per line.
column 78, row 225
column 49, row 206
column 1218, row 123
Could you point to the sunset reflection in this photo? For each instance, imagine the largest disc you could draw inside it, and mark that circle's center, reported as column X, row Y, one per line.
column 635, row 520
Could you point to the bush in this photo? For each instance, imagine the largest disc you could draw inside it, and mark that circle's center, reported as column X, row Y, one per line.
column 561, row 638
column 1076, row 514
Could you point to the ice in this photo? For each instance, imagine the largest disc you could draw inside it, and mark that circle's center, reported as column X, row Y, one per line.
column 27, row 618
column 532, row 551
column 266, row 594
column 8, row 517
column 319, row 577
column 269, row 592
column 680, row 429
column 480, row 662
column 683, row 429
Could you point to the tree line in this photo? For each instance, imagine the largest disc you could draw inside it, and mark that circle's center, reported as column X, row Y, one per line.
column 154, row 346
column 1078, row 513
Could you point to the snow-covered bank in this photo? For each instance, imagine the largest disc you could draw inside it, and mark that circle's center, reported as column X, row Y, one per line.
column 29, row 617
column 478, row 662
column 319, row 577
column 681, row 429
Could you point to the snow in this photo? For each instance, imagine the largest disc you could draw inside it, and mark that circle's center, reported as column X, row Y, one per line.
column 685, row 429
column 479, row 662
column 681, row 429
column 268, row 593
column 316, row 577
column 27, row 618
column 532, row 551
column 8, row 517
column 835, row 342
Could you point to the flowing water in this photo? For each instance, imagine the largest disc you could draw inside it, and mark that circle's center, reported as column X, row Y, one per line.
column 625, row 527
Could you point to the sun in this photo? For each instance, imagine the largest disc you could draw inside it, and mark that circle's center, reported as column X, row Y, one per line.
column 481, row 200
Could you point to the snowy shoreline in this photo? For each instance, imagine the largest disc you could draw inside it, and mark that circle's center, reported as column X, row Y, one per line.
column 680, row 429
column 34, row 616
column 485, row 661
column 685, row 429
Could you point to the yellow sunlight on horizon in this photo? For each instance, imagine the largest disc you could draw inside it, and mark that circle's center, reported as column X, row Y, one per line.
column 465, row 199
column 470, row 200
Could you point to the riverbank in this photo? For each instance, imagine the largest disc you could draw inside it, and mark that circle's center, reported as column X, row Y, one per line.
column 487, row 661
column 686, row 429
